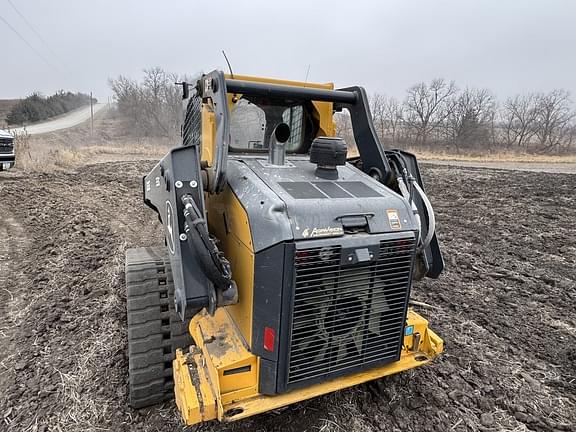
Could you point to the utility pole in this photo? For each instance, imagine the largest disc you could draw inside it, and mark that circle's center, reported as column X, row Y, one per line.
column 91, row 116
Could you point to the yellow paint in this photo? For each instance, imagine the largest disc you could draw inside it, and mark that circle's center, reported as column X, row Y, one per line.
column 236, row 395
column 323, row 114
column 225, row 210
column 225, row 371
column 226, row 203
column 231, row 364
column 208, row 149
column 184, row 390
column 195, row 398
column 326, row 86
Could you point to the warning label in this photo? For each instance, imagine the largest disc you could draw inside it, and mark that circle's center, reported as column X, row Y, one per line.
column 394, row 219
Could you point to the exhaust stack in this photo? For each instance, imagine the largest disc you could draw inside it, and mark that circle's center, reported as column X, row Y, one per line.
column 280, row 135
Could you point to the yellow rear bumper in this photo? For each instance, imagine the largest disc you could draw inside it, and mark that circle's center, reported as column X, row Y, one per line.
column 204, row 391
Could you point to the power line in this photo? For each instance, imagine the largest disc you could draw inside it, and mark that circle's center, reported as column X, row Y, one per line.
column 29, row 45
column 31, row 27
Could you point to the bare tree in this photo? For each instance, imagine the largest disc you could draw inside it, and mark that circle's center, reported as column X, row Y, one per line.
column 519, row 120
column 570, row 137
column 394, row 114
column 377, row 109
column 153, row 106
column 469, row 122
column 387, row 115
column 553, row 120
column 434, row 112
column 127, row 96
column 428, row 106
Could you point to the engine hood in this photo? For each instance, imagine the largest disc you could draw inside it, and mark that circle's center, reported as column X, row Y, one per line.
column 5, row 134
column 291, row 203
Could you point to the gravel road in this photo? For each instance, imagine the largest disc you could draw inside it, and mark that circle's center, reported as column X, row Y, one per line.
column 65, row 121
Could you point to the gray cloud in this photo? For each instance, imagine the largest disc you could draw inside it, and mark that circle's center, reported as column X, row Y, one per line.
column 386, row 46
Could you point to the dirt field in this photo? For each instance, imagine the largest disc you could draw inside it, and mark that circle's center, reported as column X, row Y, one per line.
column 505, row 306
column 537, row 166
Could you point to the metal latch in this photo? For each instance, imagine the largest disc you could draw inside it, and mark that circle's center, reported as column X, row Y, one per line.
column 355, row 221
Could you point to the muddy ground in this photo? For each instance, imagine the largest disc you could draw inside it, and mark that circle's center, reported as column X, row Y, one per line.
column 506, row 307
column 557, row 167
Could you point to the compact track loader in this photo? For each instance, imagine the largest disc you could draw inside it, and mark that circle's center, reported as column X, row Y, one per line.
column 288, row 263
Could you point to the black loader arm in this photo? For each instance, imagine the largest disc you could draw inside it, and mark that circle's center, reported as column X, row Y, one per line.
column 433, row 261
column 389, row 166
column 374, row 161
column 175, row 190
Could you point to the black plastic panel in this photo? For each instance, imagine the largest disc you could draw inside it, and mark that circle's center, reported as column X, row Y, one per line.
column 332, row 190
column 359, row 189
column 302, row 190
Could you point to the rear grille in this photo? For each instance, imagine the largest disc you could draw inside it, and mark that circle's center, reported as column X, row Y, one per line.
column 348, row 318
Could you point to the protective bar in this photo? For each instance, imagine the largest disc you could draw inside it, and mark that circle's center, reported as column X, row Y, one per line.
column 290, row 92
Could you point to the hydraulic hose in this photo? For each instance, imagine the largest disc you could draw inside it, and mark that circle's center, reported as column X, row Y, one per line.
column 431, row 217
column 215, row 266
column 406, row 194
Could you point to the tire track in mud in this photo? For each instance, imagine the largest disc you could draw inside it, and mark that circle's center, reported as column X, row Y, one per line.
column 13, row 242
column 71, row 368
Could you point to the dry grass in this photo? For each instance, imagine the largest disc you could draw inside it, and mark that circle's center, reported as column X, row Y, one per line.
column 71, row 148
column 33, row 155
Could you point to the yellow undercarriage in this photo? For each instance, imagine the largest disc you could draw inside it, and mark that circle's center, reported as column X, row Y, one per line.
column 218, row 378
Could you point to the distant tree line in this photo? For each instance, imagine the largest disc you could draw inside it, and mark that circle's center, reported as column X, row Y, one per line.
column 435, row 115
column 152, row 106
column 439, row 116
column 37, row 107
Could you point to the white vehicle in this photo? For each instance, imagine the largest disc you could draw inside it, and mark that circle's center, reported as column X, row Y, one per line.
column 7, row 156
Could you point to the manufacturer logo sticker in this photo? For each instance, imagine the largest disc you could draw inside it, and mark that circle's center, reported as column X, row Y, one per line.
column 394, row 219
column 322, row 232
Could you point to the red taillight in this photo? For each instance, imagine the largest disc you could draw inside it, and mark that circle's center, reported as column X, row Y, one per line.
column 269, row 336
column 302, row 255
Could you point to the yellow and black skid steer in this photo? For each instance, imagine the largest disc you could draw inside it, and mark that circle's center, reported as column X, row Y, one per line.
column 288, row 264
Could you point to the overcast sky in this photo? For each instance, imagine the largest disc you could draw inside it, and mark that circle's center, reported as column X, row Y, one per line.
column 508, row 46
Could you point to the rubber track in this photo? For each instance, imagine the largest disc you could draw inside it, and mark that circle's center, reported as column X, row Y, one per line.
column 154, row 329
